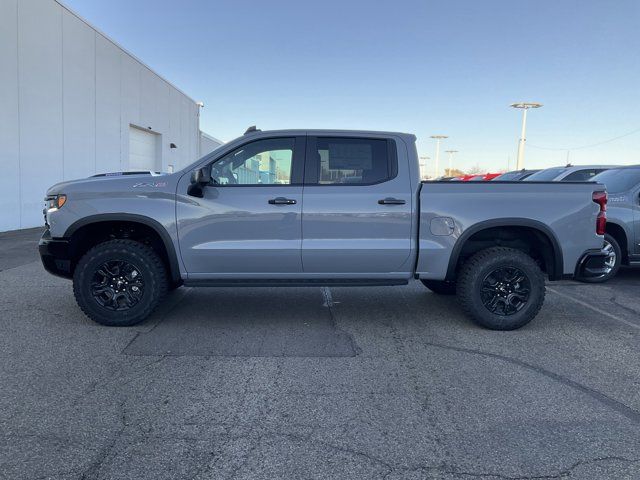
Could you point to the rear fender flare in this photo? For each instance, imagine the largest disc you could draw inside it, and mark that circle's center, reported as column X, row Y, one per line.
column 558, row 262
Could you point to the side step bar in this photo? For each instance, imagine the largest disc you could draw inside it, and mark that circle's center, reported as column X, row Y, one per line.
column 319, row 282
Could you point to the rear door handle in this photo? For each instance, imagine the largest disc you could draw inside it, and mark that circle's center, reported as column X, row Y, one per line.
column 391, row 201
column 282, row 201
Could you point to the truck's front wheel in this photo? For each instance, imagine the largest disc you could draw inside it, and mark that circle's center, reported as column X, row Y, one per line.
column 119, row 282
column 501, row 288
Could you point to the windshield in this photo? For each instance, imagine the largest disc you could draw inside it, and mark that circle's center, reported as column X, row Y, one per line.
column 545, row 175
column 618, row 181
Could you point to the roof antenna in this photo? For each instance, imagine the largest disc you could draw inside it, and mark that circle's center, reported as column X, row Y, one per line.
column 252, row 129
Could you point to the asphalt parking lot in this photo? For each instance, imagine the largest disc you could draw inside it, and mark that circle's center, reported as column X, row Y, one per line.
column 389, row 382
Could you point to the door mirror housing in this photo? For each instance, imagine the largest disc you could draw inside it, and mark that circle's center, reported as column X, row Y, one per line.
column 202, row 176
column 199, row 179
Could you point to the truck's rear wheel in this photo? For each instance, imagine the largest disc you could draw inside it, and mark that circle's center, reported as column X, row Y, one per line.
column 440, row 286
column 119, row 282
column 501, row 288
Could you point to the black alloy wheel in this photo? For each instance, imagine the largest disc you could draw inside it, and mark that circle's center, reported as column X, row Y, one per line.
column 505, row 291
column 117, row 285
column 501, row 288
column 120, row 282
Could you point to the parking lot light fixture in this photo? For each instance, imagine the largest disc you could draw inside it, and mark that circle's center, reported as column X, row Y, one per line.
column 423, row 167
column 524, row 106
column 451, row 154
column 438, row 138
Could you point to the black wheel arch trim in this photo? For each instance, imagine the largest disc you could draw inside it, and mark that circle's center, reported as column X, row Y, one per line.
column 558, row 261
column 174, row 268
column 626, row 252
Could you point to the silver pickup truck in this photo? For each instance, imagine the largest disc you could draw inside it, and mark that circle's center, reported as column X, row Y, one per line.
column 622, row 236
column 319, row 207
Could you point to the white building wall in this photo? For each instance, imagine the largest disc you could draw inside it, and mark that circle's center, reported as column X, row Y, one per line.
column 208, row 144
column 78, row 97
column 9, row 118
column 67, row 99
column 40, row 104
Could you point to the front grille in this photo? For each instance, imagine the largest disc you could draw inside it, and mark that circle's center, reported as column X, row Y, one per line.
column 44, row 214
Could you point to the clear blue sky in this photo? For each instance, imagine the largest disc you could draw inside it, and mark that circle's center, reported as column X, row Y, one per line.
column 425, row 67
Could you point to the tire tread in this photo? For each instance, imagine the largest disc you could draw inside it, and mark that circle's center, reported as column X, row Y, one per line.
column 159, row 277
column 465, row 288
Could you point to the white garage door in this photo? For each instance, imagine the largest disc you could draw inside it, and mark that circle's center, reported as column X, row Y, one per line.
column 143, row 151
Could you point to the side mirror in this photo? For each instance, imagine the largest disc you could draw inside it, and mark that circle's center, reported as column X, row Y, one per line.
column 202, row 176
column 199, row 179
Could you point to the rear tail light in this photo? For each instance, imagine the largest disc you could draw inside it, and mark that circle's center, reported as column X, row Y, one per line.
column 601, row 220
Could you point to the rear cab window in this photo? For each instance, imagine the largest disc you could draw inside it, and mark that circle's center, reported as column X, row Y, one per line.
column 582, row 175
column 545, row 175
column 350, row 161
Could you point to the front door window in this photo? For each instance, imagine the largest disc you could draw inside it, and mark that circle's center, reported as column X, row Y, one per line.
column 265, row 162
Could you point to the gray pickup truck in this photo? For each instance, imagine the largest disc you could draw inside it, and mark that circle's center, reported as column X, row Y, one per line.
column 319, row 207
column 622, row 235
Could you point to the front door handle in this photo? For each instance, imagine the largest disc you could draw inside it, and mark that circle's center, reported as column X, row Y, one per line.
column 282, row 201
column 391, row 201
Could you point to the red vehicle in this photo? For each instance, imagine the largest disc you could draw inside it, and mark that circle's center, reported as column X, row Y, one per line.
column 466, row 178
column 482, row 177
column 490, row 176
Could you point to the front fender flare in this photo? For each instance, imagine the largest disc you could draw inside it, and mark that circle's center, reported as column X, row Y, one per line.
column 174, row 268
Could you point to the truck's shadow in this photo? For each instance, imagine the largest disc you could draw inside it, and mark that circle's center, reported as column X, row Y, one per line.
column 260, row 322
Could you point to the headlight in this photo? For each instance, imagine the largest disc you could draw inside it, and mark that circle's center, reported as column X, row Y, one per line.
column 55, row 201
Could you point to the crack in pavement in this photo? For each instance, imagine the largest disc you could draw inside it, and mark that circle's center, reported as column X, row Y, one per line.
column 329, row 303
column 391, row 468
column 614, row 300
column 257, row 435
column 595, row 309
column 609, row 402
column 562, row 474
column 94, row 466
column 134, row 375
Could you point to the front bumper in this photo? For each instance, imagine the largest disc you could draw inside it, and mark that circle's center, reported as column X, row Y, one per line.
column 591, row 264
column 55, row 255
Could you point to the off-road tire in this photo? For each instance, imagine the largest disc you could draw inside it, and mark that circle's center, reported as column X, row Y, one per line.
column 474, row 273
column 440, row 286
column 146, row 261
column 612, row 273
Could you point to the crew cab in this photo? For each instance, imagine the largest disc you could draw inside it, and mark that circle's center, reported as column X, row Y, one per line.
column 319, row 207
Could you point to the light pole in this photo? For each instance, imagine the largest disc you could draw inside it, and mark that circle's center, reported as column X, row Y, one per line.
column 423, row 168
column 438, row 138
column 451, row 154
column 523, row 135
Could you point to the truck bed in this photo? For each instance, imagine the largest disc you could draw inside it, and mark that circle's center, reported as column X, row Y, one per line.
column 451, row 213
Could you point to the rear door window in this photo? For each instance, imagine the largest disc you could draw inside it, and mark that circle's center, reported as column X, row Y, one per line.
column 350, row 161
